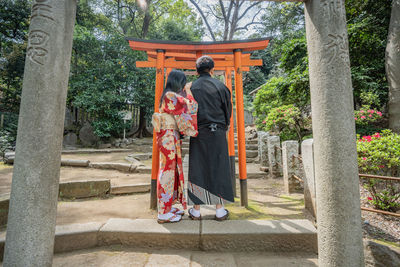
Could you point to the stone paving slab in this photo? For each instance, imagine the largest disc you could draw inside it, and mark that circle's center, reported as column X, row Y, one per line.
column 149, row 234
column 123, row 256
column 253, row 235
column 76, row 236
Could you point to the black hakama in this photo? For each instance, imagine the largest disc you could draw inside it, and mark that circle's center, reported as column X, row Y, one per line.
column 209, row 165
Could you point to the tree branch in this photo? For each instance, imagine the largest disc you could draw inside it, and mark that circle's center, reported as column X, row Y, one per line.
column 247, row 9
column 204, row 19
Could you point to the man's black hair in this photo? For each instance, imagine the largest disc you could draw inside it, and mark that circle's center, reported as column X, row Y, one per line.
column 204, row 64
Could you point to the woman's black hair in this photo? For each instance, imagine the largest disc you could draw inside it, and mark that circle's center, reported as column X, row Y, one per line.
column 175, row 83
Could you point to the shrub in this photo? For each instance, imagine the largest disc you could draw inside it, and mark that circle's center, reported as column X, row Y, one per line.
column 380, row 154
column 265, row 100
column 288, row 121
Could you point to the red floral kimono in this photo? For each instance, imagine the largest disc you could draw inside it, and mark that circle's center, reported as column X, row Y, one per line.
column 177, row 116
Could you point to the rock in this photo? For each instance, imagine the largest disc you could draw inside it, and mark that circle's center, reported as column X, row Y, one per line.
column 378, row 255
column 9, row 158
column 87, row 136
column 70, row 139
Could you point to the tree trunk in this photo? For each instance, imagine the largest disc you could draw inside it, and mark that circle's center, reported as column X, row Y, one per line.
column 141, row 130
column 393, row 67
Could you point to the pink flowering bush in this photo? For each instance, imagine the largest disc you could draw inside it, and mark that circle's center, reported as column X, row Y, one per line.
column 379, row 154
column 366, row 116
column 368, row 120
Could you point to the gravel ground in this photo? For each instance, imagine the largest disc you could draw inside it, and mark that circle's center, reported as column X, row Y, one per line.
column 379, row 226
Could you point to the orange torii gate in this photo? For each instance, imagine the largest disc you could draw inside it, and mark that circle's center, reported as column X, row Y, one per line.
column 228, row 56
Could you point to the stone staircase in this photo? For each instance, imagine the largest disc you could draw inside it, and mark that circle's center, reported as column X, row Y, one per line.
column 251, row 149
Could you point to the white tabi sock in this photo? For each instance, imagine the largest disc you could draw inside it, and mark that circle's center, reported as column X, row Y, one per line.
column 221, row 212
column 195, row 213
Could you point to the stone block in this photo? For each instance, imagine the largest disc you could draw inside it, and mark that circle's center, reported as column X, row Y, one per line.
column 259, row 235
column 143, row 169
column 70, row 139
column 307, row 154
column 134, row 161
column 75, row 163
column 76, row 236
column 147, row 233
column 4, row 203
column 103, row 146
column 263, row 148
column 84, row 189
column 123, row 167
column 290, row 150
column 274, row 156
column 130, row 189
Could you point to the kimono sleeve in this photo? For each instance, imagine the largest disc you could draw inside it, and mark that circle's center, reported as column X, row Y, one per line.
column 184, row 111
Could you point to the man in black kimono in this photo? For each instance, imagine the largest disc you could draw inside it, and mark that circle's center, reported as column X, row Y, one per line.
column 209, row 165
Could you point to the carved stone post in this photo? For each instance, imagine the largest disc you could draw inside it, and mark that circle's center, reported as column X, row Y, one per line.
column 336, row 171
column 290, row 150
column 274, row 156
column 263, row 148
column 34, row 191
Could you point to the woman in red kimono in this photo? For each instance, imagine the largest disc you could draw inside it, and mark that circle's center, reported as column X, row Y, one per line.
column 177, row 117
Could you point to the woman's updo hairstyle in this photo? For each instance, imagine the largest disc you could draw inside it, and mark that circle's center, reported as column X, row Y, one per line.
column 175, row 83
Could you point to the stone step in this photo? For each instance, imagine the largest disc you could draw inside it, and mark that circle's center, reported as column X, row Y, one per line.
column 248, row 142
column 249, row 153
column 209, row 235
column 130, row 189
column 248, row 146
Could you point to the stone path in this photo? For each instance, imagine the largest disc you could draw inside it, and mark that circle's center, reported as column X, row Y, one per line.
column 120, row 256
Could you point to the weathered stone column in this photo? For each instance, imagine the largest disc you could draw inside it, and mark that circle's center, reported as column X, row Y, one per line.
column 263, row 148
column 290, row 149
column 307, row 154
column 34, row 191
column 336, row 171
column 274, row 156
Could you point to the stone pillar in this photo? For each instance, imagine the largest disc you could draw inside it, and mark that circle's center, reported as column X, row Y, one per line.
column 335, row 155
column 290, row 150
column 274, row 156
column 263, row 148
column 307, row 154
column 34, row 191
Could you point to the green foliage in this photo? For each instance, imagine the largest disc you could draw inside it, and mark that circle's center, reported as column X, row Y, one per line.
column 14, row 24
column 380, row 154
column 286, row 121
column 368, row 24
column 5, row 142
column 266, row 99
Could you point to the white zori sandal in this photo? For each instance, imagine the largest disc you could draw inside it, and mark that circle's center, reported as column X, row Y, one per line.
column 178, row 211
column 171, row 218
